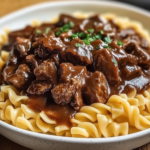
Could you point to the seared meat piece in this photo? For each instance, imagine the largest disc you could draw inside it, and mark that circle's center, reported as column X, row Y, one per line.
column 124, row 33
column 68, row 71
column 21, row 77
column 104, row 61
column 23, row 46
column 79, row 55
column 25, row 33
column 55, row 58
column 63, row 19
column 46, row 71
column 121, row 56
column 131, row 71
column 33, row 61
column 143, row 56
column 95, row 89
column 64, row 92
column 77, row 101
column 46, row 45
column 144, row 43
column 39, row 87
column 43, row 30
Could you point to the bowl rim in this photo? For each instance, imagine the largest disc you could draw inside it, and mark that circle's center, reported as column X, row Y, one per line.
column 73, row 139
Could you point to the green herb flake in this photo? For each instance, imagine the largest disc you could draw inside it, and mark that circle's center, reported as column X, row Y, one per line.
column 81, row 35
column 107, row 40
column 65, row 28
column 86, row 41
column 114, row 61
column 97, row 47
column 58, row 33
column 119, row 43
column 107, row 46
column 47, row 30
column 77, row 45
column 101, row 32
column 38, row 31
column 90, row 30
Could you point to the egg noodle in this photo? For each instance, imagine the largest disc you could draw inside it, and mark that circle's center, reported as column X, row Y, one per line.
column 123, row 114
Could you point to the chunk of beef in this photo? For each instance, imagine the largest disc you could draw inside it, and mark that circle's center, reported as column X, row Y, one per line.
column 77, row 101
column 44, row 30
column 143, row 56
column 46, row 71
column 144, row 43
column 46, row 45
column 55, row 58
column 79, row 55
column 121, row 56
column 64, row 92
column 24, row 33
column 23, row 46
column 95, row 89
column 104, row 61
column 131, row 71
column 63, row 19
column 39, row 87
column 33, row 61
column 68, row 71
column 21, row 77
column 124, row 33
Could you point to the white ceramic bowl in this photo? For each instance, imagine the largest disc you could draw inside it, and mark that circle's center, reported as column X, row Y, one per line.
column 44, row 12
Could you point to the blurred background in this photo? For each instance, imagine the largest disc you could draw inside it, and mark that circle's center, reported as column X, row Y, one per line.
column 7, row 6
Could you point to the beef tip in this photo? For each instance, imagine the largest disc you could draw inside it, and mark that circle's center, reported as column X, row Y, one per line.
column 77, row 101
column 39, row 87
column 143, row 56
column 63, row 19
column 131, row 71
column 46, row 45
column 21, row 77
column 55, row 58
column 33, row 61
column 25, row 33
column 44, row 30
column 46, row 71
column 64, row 92
column 121, row 56
column 144, row 43
column 104, row 61
column 124, row 33
column 79, row 54
column 68, row 71
column 95, row 89
column 23, row 46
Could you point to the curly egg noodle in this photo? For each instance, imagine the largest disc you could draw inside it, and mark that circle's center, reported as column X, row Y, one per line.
column 123, row 114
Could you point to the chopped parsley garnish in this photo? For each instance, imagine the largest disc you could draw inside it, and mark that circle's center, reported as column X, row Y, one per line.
column 107, row 39
column 87, row 38
column 97, row 47
column 119, row 43
column 77, row 44
column 90, row 30
column 38, row 31
column 101, row 32
column 65, row 28
column 114, row 61
column 81, row 35
column 107, row 46
column 47, row 30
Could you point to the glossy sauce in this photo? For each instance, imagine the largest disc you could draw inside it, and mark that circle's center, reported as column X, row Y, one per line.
column 126, row 61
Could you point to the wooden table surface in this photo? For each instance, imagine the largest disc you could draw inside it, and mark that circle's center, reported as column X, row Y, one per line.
column 7, row 6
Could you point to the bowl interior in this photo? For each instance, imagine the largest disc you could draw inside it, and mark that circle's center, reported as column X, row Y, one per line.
column 46, row 11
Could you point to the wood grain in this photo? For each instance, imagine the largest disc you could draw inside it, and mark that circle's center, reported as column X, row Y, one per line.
column 7, row 6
